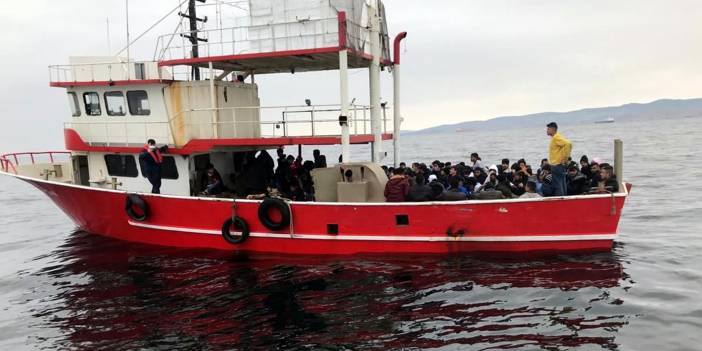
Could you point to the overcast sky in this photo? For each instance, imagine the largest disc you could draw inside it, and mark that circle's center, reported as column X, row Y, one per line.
column 463, row 60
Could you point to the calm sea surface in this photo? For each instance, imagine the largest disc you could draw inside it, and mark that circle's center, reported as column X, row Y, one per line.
column 61, row 288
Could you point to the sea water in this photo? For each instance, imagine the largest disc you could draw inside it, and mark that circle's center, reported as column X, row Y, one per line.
column 61, row 288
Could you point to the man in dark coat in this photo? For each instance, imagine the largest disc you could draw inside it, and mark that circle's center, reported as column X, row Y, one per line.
column 152, row 160
column 576, row 182
column 419, row 191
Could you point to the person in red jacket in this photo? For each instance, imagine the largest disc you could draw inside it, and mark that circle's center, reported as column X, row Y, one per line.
column 397, row 187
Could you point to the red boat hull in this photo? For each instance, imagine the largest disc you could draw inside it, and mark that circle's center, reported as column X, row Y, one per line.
column 582, row 223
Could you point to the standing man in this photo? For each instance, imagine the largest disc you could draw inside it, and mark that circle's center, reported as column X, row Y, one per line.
column 558, row 154
column 152, row 160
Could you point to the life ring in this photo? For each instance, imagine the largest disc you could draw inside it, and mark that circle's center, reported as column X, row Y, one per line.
column 134, row 202
column 264, row 215
column 239, row 225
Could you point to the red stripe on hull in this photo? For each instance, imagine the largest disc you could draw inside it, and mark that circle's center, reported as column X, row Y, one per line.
column 102, row 212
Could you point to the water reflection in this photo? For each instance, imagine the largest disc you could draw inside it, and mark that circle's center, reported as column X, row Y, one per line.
column 115, row 295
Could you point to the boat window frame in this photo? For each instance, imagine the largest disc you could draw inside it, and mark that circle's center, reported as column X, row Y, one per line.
column 133, row 100
column 127, row 169
column 89, row 110
column 73, row 104
column 107, row 104
column 169, row 168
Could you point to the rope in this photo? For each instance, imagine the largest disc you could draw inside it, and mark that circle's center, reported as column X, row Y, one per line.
column 292, row 230
column 150, row 28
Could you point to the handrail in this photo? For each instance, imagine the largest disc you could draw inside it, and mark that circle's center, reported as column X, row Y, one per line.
column 233, row 122
column 6, row 160
column 236, row 40
column 104, row 71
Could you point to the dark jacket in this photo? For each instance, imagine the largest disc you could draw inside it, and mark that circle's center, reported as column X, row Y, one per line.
column 578, row 185
column 489, row 194
column 396, row 189
column 612, row 185
column 266, row 163
column 519, row 187
column 595, row 180
column 436, row 190
column 453, row 195
column 505, row 189
column 420, row 192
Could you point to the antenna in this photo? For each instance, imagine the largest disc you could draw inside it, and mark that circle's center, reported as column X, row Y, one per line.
column 109, row 45
column 192, row 36
column 126, row 2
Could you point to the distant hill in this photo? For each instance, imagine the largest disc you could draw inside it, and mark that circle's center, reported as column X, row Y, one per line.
column 659, row 109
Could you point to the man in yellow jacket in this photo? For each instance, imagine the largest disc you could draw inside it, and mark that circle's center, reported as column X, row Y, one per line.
column 558, row 154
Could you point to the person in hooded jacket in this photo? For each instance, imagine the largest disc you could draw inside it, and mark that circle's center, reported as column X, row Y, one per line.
column 255, row 178
column 267, row 165
column 436, row 187
column 585, row 167
column 397, row 188
column 518, row 183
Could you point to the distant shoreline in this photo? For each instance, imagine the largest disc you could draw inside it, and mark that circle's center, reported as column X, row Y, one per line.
column 659, row 109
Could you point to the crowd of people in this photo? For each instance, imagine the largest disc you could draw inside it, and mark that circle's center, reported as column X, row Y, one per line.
column 557, row 175
column 258, row 176
column 447, row 181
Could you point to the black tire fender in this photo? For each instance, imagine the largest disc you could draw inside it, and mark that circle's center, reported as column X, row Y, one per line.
column 239, row 224
column 134, row 200
column 280, row 205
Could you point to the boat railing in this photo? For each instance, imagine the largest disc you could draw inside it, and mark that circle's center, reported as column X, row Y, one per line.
column 10, row 162
column 302, row 34
column 231, row 123
column 285, row 121
column 108, row 72
column 120, row 133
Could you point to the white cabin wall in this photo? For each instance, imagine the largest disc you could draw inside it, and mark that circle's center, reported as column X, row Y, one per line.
column 239, row 113
column 189, row 105
column 127, row 129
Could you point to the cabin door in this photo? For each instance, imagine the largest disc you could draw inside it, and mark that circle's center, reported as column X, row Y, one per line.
column 81, row 175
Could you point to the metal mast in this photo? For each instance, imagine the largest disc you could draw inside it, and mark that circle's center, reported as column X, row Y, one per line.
column 194, row 39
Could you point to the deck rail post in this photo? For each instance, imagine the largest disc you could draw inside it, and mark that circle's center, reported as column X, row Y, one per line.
column 344, row 90
column 619, row 159
column 374, row 78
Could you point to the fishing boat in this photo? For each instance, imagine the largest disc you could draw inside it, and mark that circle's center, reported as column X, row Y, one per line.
column 199, row 96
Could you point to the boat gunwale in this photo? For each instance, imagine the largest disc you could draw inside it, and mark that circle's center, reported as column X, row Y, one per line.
column 624, row 193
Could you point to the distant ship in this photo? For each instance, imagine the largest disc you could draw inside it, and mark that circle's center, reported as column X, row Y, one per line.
column 608, row 120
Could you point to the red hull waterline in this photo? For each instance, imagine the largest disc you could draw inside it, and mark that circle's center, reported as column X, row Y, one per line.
column 577, row 223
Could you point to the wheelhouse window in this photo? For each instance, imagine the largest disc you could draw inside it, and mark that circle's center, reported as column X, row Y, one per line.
column 73, row 103
column 138, row 103
column 115, row 103
column 92, row 104
column 121, row 166
column 168, row 168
